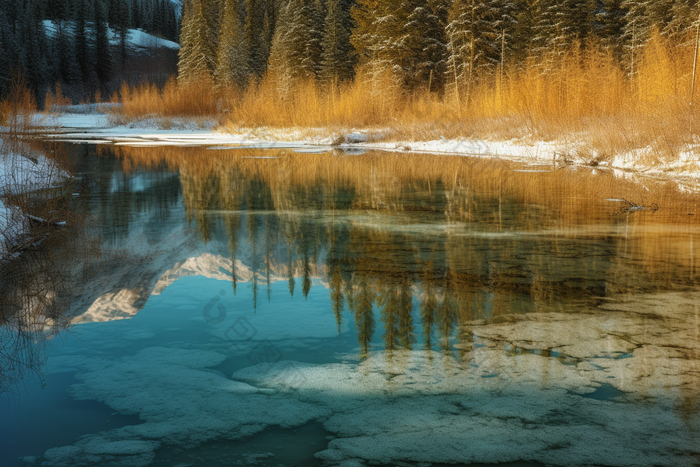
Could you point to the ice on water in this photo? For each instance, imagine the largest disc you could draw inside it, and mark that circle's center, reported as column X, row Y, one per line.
column 486, row 404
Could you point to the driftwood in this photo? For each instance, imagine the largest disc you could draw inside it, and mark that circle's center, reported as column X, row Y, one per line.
column 634, row 207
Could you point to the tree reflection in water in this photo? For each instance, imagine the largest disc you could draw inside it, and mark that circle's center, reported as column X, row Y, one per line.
column 522, row 296
column 465, row 239
column 36, row 288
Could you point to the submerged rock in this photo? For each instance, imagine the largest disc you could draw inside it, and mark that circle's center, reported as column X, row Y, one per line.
column 351, row 138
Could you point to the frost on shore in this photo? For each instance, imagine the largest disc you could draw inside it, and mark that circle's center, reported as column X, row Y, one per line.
column 525, row 390
column 155, row 132
column 21, row 171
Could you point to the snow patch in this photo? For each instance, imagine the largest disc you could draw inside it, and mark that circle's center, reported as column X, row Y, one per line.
column 136, row 38
column 21, row 173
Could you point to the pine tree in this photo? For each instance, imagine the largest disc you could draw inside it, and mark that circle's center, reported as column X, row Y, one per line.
column 291, row 58
column 336, row 65
column 103, row 55
column 232, row 56
column 254, row 36
column 82, row 48
column 196, row 55
column 407, row 39
column 610, row 21
column 474, row 42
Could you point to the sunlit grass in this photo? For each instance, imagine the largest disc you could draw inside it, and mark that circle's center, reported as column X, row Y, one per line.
column 573, row 196
column 582, row 97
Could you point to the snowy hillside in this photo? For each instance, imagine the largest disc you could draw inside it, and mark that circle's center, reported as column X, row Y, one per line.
column 137, row 39
column 178, row 5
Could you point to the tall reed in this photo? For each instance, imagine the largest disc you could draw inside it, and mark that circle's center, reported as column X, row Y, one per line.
column 584, row 95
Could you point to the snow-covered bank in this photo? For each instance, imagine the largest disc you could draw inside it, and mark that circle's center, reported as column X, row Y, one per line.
column 21, row 171
column 97, row 128
column 13, row 224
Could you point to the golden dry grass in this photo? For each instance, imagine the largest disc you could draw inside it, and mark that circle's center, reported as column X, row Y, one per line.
column 17, row 110
column 575, row 197
column 584, row 97
column 474, row 196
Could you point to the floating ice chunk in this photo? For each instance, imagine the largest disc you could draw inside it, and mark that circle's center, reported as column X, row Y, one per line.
column 425, row 406
column 180, row 401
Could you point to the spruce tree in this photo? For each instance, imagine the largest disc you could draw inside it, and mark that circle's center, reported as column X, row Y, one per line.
column 313, row 17
column 421, row 45
column 365, row 37
column 64, row 52
column 254, row 36
column 82, row 48
column 291, row 57
column 212, row 10
column 6, row 43
column 336, row 65
column 136, row 14
column 474, row 43
column 33, row 43
column 407, row 39
column 103, row 56
column 554, row 32
column 683, row 19
column 610, row 26
column 232, row 56
column 122, row 27
column 196, row 57
column 523, row 43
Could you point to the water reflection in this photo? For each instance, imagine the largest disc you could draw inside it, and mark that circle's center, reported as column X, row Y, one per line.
column 466, row 239
column 36, row 289
column 482, row 314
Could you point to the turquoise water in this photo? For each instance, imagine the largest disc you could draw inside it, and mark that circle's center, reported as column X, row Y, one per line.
column 244, row 324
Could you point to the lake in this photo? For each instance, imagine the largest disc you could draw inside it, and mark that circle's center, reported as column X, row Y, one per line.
column 236, row 306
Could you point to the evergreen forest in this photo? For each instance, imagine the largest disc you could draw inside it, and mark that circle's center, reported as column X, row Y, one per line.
column 420, row 44
column 82, row 45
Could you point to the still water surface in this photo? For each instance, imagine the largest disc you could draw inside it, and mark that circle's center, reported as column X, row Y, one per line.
column 247, row 307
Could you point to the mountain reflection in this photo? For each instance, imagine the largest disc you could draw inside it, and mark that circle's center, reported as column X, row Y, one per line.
column 462, row 239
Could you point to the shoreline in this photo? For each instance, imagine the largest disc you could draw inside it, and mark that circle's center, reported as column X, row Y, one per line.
column 22, row 173
column 97, row 128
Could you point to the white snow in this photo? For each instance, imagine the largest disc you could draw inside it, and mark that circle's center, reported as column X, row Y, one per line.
column 21, row 171
column 136, row 38
column 183, row 132
column 13, row 224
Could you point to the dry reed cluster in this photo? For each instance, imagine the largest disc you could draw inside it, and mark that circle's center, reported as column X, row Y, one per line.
column 582, row 96
column 17, row 111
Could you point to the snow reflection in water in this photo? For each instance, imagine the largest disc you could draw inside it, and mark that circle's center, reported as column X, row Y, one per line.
column 376, row 313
